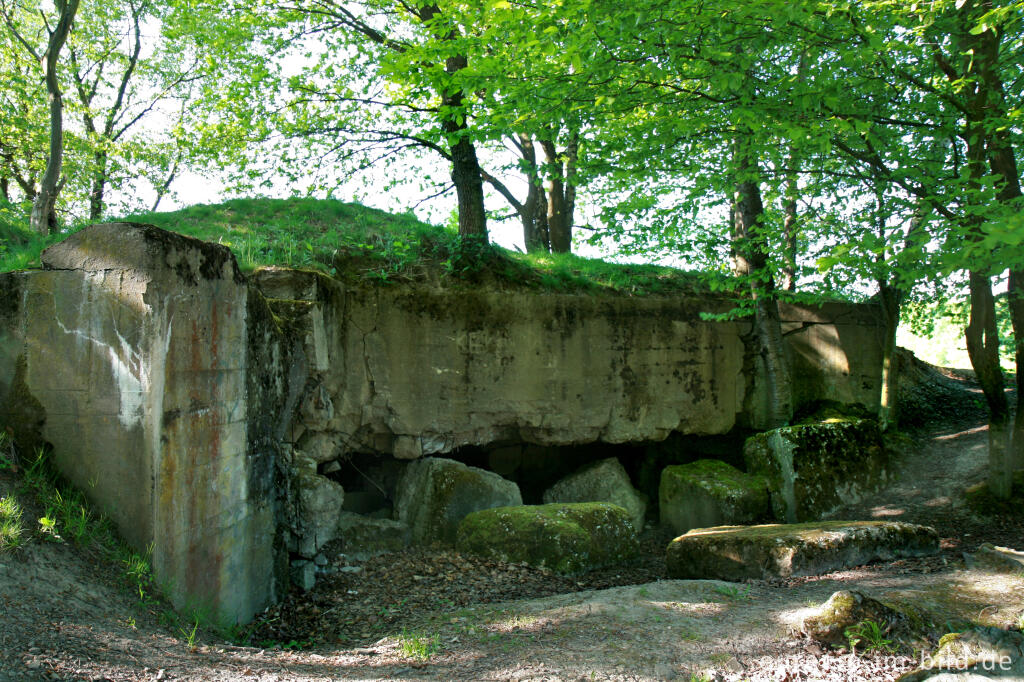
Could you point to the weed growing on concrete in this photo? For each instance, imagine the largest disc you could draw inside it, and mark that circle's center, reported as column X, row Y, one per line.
column 10, row 524
column 419, row 647
column 871, row 635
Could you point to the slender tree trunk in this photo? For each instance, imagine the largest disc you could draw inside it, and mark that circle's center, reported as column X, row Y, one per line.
column 99, row 185
column 533, row 213
column 983, row 349
column 44, row 216
column 5, row 189
column 892, row 300
column 790, row 228
column 751, row 248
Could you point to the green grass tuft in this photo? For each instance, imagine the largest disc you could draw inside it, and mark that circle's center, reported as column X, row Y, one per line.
column 419, row 647
column 11, row 528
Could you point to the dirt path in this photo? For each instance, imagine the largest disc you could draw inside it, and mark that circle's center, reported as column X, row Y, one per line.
column 63, row 616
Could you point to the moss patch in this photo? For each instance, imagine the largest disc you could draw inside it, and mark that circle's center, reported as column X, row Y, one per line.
column 566, row 538
column 710, row 492
column 814, row 468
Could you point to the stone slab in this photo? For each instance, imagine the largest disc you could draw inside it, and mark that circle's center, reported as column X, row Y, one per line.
column 740, row 553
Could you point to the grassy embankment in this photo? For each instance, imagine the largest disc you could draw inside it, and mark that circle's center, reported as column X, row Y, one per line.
column 353, row 242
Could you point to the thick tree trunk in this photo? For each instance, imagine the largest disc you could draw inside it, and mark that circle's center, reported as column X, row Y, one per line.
column 44, row 216
column 751, row 250
column 469, row 184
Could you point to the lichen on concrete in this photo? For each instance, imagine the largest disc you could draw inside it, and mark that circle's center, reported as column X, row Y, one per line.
column 567, row 538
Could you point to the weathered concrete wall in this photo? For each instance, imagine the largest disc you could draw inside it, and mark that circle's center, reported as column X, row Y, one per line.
column 133, row 349
column 419, row 371
column 167, row 384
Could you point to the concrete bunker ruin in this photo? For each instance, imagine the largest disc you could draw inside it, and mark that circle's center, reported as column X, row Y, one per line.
column 190, row 401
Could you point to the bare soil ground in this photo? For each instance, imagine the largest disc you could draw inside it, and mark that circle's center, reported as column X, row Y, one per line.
column 64, row 614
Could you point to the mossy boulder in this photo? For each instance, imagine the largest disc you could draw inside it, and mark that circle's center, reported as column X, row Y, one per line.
column 602, row 481
column 710, row 492
column 433, row 495
column 783, row 550
column 812, row 469
column 565, row 538
column 847, row 610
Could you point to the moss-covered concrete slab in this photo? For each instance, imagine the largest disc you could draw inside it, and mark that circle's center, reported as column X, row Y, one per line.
column 708, row 493
column 566, row 538
column 602, row 481
column 783, row 550
column 813, row 469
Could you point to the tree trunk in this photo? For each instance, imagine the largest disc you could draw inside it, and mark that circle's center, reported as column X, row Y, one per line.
column 983, row 349
column 469, row 185
column 892, row 299
column 981, row 53
column 560, row 207
column 5, row 189
column 99, row 185
column 534, row 211
column 790, row 228
column 751, row 248
column 44, row 215
column 1003, row 164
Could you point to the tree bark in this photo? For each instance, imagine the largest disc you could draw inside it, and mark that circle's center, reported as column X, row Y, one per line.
column 561, row 196
column 534, row 211
column 44, row 216
column 751, row 249
column 983, row 349
column 466, row 172
column 99, row 185
column 892, row 300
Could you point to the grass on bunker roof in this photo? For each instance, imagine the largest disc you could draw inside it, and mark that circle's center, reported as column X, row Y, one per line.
column 359, row 244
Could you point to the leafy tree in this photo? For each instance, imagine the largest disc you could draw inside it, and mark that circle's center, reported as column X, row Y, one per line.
column 47, row 54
